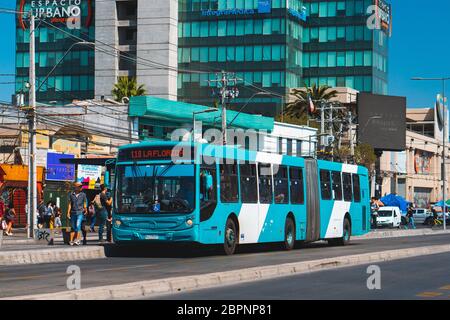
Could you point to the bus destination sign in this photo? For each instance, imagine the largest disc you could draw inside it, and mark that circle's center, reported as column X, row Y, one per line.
column 152, row 153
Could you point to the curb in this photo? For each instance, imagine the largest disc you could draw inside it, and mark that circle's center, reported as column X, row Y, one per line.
column 21, row 257
column 401, row 233
column 153, row 288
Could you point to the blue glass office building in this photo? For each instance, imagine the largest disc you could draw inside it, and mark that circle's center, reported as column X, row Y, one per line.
column 74, row 77
column 276, row 45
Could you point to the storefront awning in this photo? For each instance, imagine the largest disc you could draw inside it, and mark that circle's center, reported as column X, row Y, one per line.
column 162, row 109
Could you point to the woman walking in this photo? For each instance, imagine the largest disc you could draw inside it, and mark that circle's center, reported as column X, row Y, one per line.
column 9, row 219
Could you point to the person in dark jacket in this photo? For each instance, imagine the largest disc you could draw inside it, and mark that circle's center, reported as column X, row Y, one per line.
column 9, row 218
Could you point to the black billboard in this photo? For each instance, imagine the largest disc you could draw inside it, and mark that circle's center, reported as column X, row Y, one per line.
column 382, row 121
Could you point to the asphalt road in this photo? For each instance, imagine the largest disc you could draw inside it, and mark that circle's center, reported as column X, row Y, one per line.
column 149, row 263
column 426, row 277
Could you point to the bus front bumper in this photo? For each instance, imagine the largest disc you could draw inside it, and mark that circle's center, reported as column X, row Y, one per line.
column 126, row 235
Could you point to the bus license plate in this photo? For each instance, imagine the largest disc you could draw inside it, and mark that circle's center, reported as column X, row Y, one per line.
column 152, row 237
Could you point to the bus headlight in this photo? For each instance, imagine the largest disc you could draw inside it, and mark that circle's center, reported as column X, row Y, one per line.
column 118, row 223
column 189, row 222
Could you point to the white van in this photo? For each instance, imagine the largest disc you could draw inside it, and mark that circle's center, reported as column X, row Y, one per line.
column 389, row 217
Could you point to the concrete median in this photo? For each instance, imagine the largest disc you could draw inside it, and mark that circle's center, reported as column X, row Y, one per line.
column 40, row 255
column 394, row 233
column 155, row 288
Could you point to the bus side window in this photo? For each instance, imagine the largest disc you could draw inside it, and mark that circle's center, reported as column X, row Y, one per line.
column 228, row 183
column 337, row 185
column 297, row 190
column 208, row 191
column 208, row 183
column 249, row 189
column 281, row 185
column 325, row 184
column 356, row 188
column 347, row 181
column 265, row 183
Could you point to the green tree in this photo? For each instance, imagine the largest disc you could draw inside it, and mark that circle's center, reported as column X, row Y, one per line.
column 298, row 109
column 127, row 87
column 365, row 155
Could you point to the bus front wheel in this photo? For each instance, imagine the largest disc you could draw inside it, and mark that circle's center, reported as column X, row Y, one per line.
column 230, row 237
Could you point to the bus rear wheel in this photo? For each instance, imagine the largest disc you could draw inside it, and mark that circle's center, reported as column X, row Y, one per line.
column 230, row 237
column 289, row 234
column 345, row 239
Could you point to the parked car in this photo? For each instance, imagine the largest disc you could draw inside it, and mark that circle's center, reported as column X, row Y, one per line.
column 420, row 215
column 389, row 217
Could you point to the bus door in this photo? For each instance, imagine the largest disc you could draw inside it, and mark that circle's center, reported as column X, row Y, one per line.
column 312, row 200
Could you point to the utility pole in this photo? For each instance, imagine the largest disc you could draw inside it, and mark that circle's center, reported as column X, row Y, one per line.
column 32, row 177
column 225, row 94
column 350, row 134
column 322, row 125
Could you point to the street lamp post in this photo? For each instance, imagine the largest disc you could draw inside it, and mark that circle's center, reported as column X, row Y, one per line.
column 444, row 139
column 193, row 120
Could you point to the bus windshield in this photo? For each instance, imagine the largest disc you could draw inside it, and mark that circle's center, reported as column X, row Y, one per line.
column 155, row 188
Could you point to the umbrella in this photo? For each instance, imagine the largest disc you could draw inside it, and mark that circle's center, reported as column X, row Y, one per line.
column 441, row 203
column 393, row 200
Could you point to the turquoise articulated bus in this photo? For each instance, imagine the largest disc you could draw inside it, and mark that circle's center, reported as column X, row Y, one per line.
column 230, row 196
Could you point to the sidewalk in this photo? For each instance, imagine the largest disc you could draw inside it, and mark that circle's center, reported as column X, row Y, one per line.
column 18, row 249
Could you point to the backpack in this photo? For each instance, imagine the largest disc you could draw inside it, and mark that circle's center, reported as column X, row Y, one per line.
column 97, row 202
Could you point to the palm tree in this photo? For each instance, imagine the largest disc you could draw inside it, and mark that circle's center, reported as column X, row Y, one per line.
column 127, row 87
column 299, row 107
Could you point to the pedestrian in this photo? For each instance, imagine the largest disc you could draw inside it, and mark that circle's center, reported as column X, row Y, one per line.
column 92, row 216
column 57, row 223
column 102, row 201
column 48, row 214
column 9, row 219
column 2, row 208
column 109, row 220
column 410, row 216
column 41, row 213
column 374, row 211
column 76, row 212
column 83, row 229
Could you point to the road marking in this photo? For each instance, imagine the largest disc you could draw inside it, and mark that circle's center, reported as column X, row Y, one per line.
column 429, row 294
column 447, row 287
column 125, row 268
column 28, row 277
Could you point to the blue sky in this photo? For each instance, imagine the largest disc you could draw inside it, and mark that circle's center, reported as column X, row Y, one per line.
column 419, row 46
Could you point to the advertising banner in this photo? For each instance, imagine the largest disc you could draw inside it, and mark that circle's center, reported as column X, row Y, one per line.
column 382, row 121
column 89, row 175
column 57, row 171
